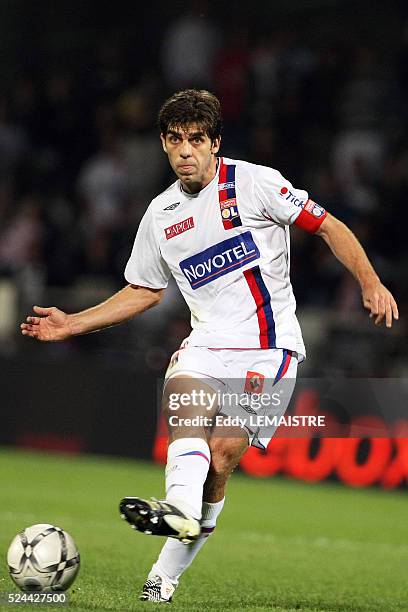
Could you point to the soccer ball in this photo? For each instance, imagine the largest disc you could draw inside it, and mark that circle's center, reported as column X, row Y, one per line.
column 43, row 558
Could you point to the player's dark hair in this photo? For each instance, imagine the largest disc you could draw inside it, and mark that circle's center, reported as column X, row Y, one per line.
column 192, row 106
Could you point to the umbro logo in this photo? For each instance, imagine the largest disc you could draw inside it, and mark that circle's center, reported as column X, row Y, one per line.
column 172, row 206
column 248, row 409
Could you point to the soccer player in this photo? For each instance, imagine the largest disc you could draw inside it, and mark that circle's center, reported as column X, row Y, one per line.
column 222, row 231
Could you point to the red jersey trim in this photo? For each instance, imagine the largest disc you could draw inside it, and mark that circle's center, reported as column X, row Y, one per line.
column 307, row 220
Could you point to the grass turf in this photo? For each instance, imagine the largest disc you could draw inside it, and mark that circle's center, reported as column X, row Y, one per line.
column 280, row 544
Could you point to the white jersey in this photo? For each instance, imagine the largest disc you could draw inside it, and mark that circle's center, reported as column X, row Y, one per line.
column 228, row 249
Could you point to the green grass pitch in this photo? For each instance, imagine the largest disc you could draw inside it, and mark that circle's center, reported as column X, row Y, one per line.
column 279, row 544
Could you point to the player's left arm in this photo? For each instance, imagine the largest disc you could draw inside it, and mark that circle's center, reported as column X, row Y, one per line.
column 348, row 250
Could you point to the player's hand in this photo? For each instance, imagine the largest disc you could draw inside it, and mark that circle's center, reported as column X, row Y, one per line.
column 51, row 325
column 381, row 304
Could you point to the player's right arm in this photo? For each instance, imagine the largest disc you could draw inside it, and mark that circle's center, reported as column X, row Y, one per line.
column 147, row 274
column 52, row 324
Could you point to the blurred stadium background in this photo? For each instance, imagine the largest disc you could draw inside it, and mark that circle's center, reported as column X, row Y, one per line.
column 317, row 89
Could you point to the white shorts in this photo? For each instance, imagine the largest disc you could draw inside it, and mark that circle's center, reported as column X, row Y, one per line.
column 254, row 386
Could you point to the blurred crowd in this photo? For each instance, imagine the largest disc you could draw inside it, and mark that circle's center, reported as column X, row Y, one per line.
column 80, row 157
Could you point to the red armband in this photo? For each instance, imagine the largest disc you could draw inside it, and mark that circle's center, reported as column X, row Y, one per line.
column 311, row 217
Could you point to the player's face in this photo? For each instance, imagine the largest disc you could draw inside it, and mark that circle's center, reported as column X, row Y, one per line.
column 191, row 154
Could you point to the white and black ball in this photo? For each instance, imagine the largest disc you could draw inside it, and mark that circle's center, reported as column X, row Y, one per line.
column 43, row 558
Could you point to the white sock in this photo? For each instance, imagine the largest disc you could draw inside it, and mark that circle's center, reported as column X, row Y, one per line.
column 188, row 460
column 176, row 557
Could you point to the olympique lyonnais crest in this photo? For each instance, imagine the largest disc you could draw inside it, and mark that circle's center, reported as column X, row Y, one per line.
column 227, row 196
column 254, row 382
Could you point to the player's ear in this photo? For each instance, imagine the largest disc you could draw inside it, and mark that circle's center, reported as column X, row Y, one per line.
column 163, row 141
column 215, row 146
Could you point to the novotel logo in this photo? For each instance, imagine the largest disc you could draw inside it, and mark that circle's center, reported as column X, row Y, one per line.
column 219, row 259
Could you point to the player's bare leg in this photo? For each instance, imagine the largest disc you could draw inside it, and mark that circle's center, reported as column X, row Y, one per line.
column 225, row 456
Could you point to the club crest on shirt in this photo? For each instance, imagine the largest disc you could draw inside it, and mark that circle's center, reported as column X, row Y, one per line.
column 228, row 203
column 227, row 197
column 179, row 228
column 229, row 209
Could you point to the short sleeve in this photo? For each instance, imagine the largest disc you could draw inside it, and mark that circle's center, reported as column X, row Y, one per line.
column 146, row 267
column 284, row 204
